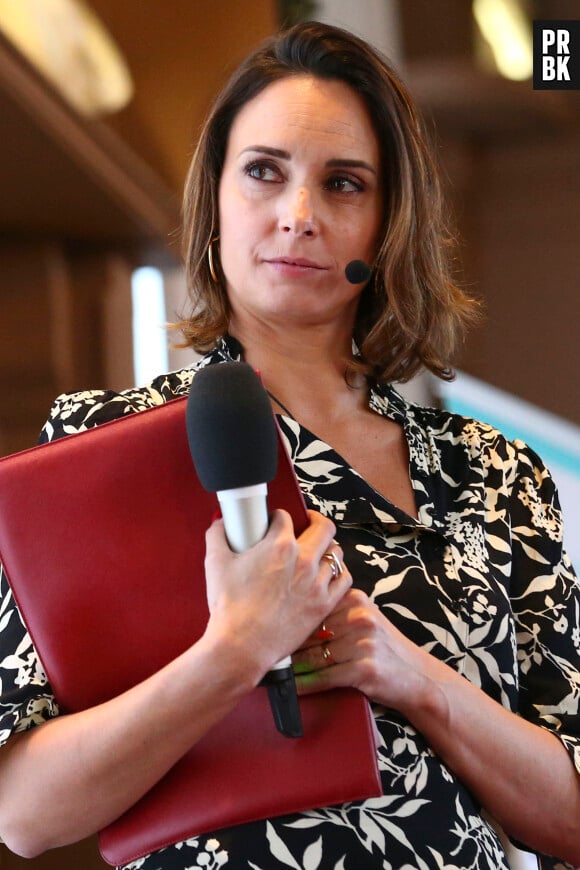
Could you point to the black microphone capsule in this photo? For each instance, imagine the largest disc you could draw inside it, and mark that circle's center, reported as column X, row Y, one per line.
column 357, row 272
column 231, row 428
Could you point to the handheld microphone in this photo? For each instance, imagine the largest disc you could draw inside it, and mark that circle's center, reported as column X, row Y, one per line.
column 234, row 448
column 357, row 272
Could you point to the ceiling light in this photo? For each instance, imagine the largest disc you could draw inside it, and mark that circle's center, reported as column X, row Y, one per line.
column 506, row 29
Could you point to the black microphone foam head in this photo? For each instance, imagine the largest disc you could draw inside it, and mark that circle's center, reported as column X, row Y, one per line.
column 231, row 428
column 357, row 272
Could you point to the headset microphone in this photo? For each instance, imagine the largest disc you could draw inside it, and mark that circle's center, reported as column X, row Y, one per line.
column 357, row 272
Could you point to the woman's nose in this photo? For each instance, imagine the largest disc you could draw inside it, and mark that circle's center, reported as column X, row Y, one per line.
column 297, row 216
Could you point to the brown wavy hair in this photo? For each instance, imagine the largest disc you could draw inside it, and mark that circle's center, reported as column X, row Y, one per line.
column 411, row 313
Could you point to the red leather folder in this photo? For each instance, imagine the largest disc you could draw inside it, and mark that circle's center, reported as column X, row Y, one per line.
column 102, row 541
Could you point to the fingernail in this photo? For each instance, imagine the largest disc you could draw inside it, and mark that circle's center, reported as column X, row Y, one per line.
column 217, row 515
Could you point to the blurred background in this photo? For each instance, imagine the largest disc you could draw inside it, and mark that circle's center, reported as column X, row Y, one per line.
column 100, row 105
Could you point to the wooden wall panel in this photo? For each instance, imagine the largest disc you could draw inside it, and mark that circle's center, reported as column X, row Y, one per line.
column 65, row 324
column 525, row 255
column 80, row 856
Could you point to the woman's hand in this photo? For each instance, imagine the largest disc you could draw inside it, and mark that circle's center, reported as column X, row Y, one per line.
column 266, row 601
column 359, row 647
column 471, row 732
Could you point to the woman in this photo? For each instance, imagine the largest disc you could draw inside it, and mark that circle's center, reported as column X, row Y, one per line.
column 462, row 626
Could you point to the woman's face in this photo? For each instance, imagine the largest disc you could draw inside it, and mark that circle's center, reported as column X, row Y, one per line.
column 299, row 198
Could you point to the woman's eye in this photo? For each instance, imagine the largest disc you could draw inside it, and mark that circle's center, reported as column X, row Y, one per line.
column 262, row 172
column 342, row 184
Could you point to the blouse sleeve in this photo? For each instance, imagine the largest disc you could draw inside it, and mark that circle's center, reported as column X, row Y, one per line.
column 26, row 698
column 545, row 594
column 77, row 412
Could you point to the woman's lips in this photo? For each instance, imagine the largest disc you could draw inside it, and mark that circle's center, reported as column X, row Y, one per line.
column 294, row 265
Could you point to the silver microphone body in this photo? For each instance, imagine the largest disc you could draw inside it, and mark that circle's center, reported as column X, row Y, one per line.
column 245, row 514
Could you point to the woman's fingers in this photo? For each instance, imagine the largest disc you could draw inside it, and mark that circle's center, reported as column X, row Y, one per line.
column 366, row 652
column 319, row 564
column 345, row 648
column 277, row 591
column 350, row 609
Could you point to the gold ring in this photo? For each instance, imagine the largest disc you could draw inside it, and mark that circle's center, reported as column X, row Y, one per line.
column 327, row 655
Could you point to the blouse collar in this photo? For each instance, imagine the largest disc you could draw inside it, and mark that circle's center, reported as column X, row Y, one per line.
column 386, row 401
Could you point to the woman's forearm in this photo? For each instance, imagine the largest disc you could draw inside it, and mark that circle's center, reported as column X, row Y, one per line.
column 64, row 780
column 521, row 773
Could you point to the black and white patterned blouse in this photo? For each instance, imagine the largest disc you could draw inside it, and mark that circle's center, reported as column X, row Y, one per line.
column 480, row 580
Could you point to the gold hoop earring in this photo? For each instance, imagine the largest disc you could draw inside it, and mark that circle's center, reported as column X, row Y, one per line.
column 210, row 259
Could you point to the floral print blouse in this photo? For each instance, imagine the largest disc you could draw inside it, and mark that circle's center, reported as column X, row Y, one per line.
column 480, row 580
